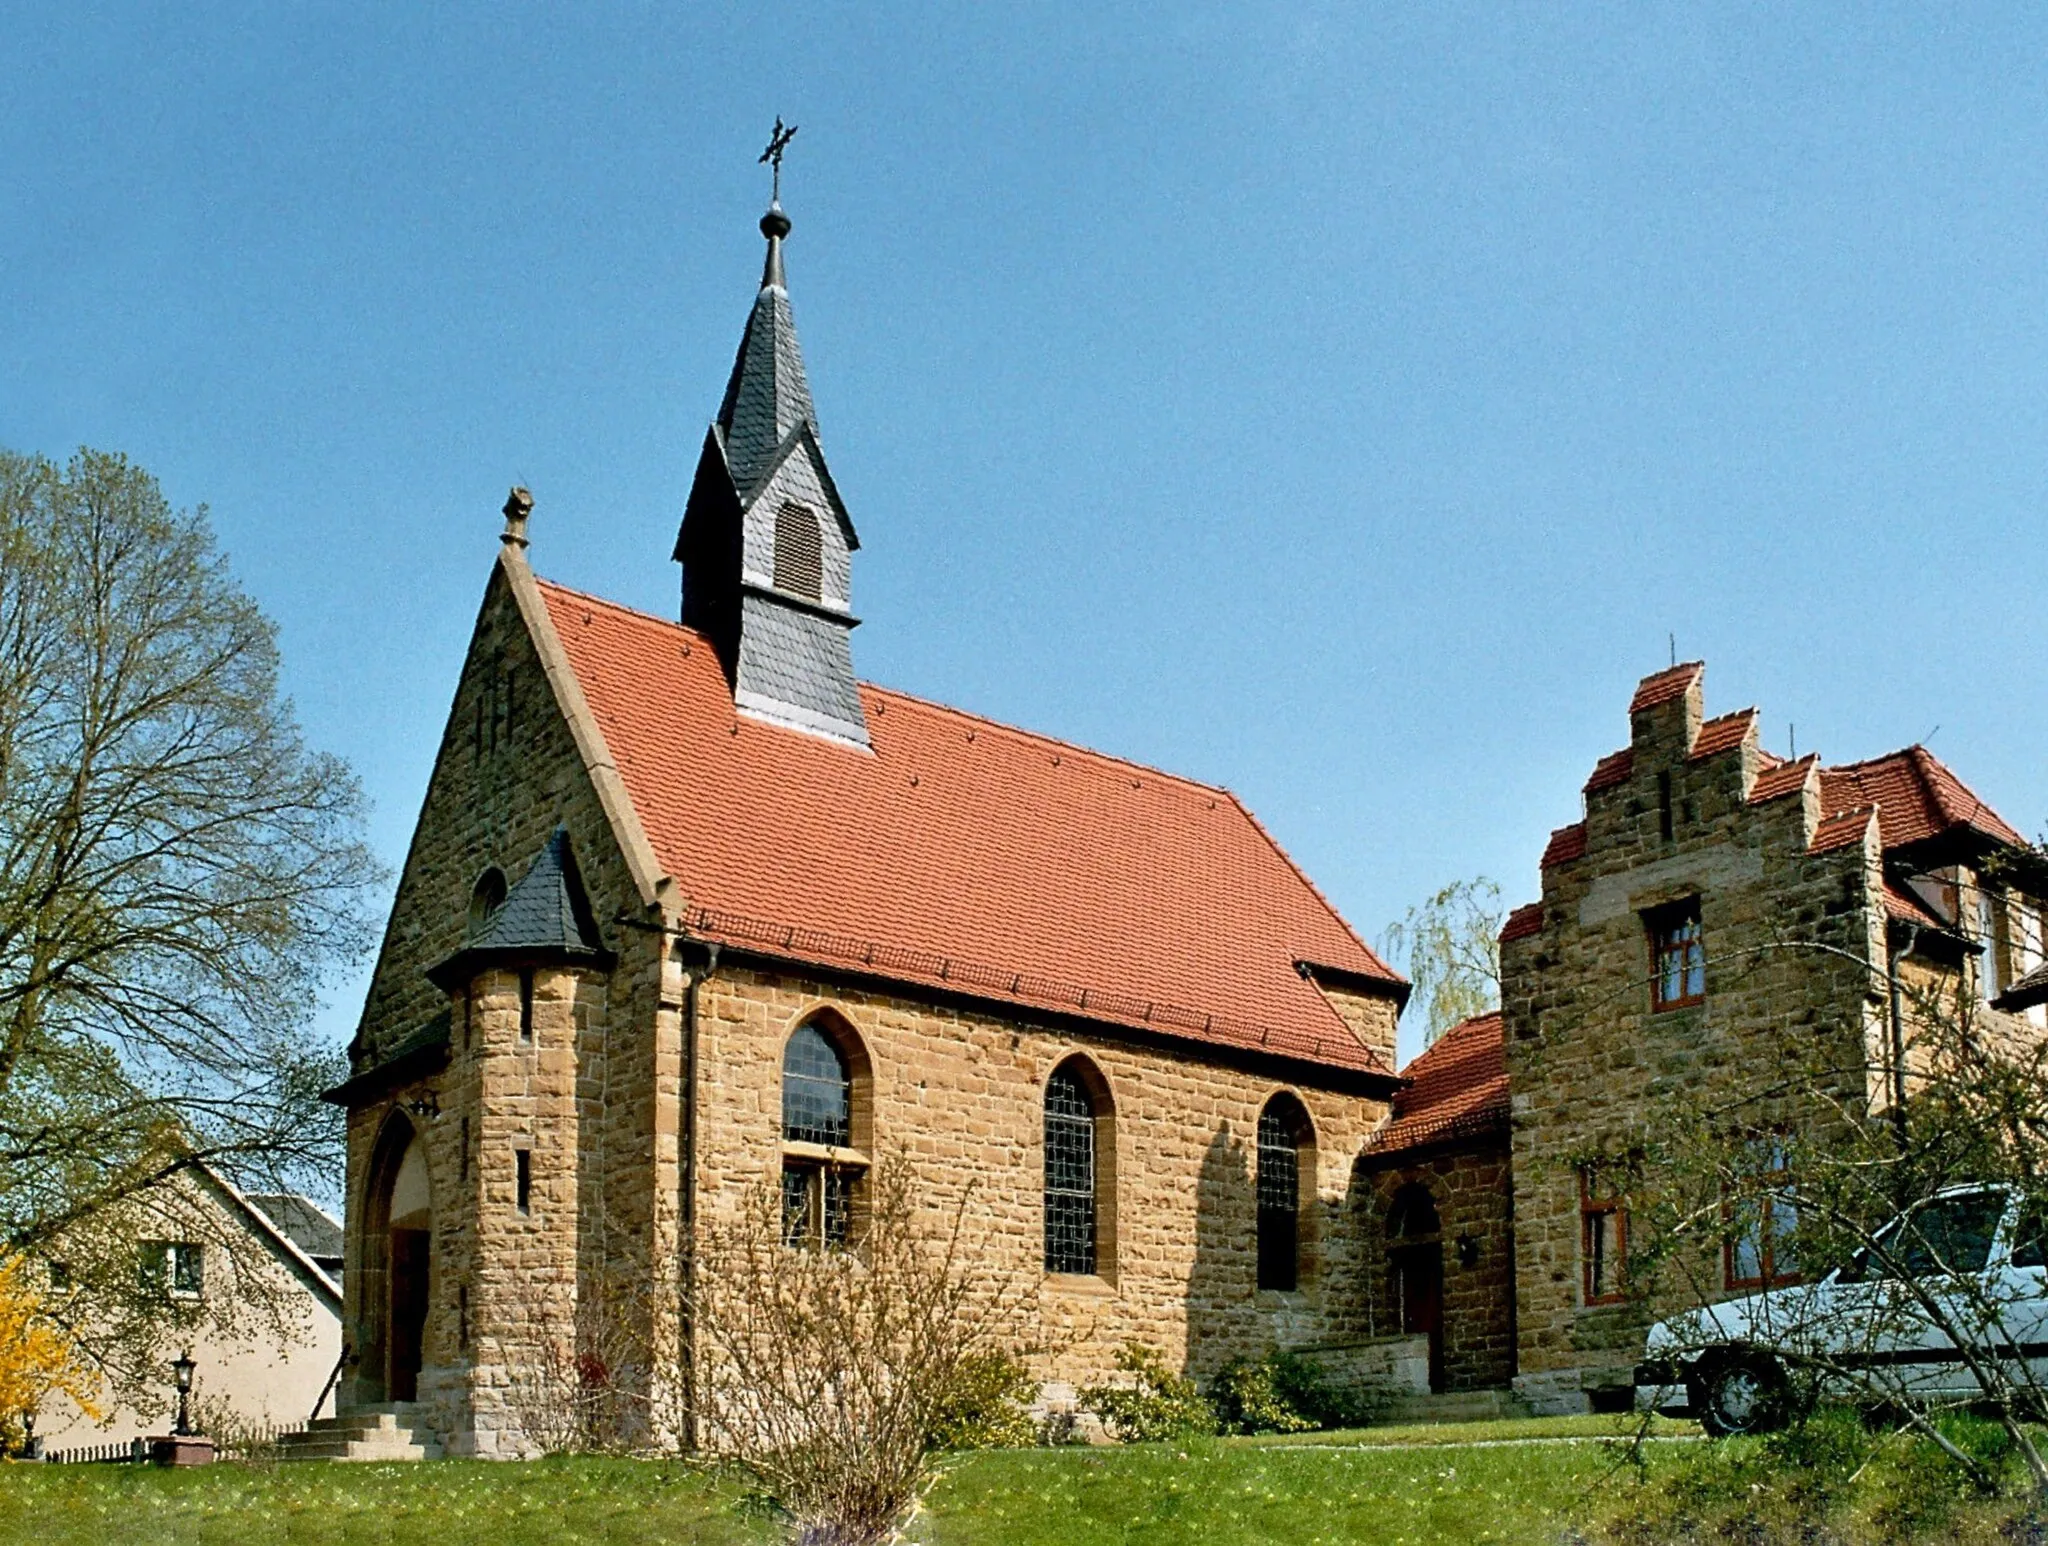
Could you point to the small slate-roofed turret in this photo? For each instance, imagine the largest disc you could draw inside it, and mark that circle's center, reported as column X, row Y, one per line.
column 545, row 919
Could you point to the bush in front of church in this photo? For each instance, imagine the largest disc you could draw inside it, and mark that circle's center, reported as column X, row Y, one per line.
column 1152, row 1403
column 988, row 1406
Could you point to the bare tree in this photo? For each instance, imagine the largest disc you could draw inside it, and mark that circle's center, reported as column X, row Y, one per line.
column 178, row 872
column 1452, row 947
column 833, row 1374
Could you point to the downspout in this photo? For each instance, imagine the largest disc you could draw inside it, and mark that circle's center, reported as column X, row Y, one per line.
column 687, row 1202
column 1898, row 1029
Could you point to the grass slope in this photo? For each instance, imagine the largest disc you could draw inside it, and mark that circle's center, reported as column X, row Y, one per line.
column 1268, row 1495
column 439, row 1503
column 1384, row 1485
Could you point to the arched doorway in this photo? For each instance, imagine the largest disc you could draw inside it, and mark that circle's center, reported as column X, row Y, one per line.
column 1415, row 1268
column 398, row 1252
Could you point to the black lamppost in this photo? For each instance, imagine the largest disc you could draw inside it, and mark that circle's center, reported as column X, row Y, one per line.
column 181, row 1370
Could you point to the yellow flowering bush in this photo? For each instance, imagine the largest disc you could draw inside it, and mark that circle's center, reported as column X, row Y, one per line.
column 38, row 1357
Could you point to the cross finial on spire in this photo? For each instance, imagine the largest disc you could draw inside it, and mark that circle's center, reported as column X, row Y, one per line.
column 778, row 142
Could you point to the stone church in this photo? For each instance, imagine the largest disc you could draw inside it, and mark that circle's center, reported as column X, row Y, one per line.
column 691, row 911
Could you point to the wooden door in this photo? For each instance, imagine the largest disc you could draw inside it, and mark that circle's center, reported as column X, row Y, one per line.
column 409, row 1263
column 1419, row 1283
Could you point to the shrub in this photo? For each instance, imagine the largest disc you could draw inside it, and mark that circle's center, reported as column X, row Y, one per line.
column 1248, row 1399
column 1153, row 1404
column 988, row 1405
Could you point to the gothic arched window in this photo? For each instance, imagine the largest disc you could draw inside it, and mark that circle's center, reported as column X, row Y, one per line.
column 1073, row 1176
column 817, row 1112
column 1283, row 1135
column 799, row 553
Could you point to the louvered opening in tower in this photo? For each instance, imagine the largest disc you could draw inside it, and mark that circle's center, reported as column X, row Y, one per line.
column 799, row 553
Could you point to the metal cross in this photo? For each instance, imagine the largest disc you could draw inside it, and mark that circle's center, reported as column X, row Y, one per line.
column 772, row 156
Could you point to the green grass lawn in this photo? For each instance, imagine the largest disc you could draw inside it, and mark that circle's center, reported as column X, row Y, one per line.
column 1256, row 1493
column 1384, row 1485
column 439, row 1503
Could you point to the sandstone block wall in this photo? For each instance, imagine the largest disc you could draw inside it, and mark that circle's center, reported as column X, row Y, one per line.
column 1472, row 1190
column 956, row 1098
column 1586, row 1053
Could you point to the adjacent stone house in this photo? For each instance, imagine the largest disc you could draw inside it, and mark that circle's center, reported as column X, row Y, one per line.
column 1656, row 958
column 689, row 912
column 1438, row 1172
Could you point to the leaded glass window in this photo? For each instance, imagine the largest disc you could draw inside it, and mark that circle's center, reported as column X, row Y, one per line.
column 817, row 1096
column 1279, row 1199
column 817, row 1204
column 1069, row 1174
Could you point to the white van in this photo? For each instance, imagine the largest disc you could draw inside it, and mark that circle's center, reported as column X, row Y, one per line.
column 1979, row 1253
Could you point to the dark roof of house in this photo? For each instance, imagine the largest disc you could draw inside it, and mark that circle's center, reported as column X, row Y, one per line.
column 303, row 1222
column 2030, row 990
column 1458, row 1089
column 966, row 855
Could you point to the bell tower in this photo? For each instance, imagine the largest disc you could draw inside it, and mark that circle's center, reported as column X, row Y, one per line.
column 766, row 544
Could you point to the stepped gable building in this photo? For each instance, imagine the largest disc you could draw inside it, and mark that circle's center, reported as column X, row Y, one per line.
column 1645, row 967
column 690, row 911
column 1439, row 1175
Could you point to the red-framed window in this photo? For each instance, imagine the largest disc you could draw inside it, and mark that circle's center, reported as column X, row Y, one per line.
column 1678, row 955
column 1603, row 1237
column 1758, row 1249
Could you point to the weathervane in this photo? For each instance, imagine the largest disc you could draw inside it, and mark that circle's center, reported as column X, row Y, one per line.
column 772, row 156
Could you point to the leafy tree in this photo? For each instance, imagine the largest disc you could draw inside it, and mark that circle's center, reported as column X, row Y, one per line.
column 1451, row 944
column 178, row 874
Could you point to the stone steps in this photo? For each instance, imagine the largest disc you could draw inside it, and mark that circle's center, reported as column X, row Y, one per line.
column 389, row 1432
column 1463, row 1406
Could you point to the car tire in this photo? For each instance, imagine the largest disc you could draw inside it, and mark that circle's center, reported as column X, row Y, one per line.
column 1739, row 1393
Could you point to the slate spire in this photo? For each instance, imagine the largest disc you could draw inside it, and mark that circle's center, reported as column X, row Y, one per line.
column 766, row 544
column 767, row 395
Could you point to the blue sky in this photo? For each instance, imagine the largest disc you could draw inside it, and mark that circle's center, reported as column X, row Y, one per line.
column 1345, row 404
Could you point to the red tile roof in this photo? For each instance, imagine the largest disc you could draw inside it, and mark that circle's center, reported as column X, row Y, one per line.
column 1612, row 769
column 1916, row 797
column 1908, row 908
column 1566, row 844
column 1779, row 779
column 1723, row 734
column 964, row 854
column 1665, row 685
column 1523, row 922
column 1459, row 1089
column 1840, row 830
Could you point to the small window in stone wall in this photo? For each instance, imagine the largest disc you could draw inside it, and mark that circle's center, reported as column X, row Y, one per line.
column 486, row 897
column 1279, row 1194
column 1758, row 1249
column 1069, row 1174
column 526, row 1006
column 523, row 1179
column 1603, row 1236
column 799, row 553
column 1678, row 955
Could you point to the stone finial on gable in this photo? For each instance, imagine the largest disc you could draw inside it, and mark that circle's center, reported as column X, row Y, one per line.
column 1667, row 711
column 518, row 506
